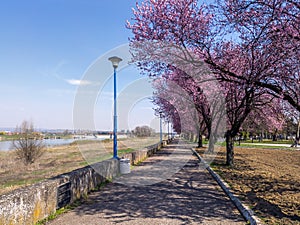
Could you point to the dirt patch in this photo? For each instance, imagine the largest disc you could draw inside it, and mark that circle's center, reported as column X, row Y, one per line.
column 266, row 180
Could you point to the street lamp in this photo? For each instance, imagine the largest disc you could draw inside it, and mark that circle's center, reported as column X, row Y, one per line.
column 115, row 62
column 160, row 121
column 168, row 129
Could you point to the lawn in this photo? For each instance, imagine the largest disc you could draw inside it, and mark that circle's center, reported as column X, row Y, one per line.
column 269, row 141
column 268, row 180
column 62, row 159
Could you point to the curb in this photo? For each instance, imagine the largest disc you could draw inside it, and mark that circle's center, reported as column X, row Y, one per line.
column 246, row 212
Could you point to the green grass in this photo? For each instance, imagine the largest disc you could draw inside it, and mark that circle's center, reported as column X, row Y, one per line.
column 102, row 185
column 108, row 156
column 127, row 150
column 8, row 137
column 84, row 163
column 21, row 182
column 59, row 212
column 249, row 145
column 268, row 141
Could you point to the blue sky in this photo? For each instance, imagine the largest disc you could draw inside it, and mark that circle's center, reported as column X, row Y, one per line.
column 45, row 48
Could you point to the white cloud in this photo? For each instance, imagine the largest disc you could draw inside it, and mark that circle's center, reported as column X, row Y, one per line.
column 78, row 82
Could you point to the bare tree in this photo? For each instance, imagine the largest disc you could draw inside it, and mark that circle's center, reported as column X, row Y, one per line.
column 29, row 146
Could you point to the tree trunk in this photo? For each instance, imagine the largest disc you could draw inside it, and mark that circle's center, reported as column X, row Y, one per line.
column 190, row 137
column 211, row 144
column 200, row 141
column 298, row 131
column 275, row 136
column 193, row 137
column 240, row 137
column 229, row 150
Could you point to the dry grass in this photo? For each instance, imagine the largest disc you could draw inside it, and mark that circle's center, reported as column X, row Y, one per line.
column 267, row 180
column 61, row 159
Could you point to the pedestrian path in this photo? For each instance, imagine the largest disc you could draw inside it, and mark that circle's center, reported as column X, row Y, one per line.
column 168, row 188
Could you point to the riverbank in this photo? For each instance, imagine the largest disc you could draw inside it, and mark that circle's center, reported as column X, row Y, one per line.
column 62, row 159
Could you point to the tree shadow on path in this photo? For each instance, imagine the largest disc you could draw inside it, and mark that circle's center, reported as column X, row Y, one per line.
column 189, row 196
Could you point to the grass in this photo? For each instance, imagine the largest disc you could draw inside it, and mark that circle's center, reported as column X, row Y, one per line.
column 249, row 145
column 59, row 212
column 20, row 183
column 268, row 180
column 269, row 141
column 62, row 159
column 264, row 144
column 127, row 150
column 6, row 137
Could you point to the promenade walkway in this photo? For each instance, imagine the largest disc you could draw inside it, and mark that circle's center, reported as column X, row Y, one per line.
column 168, row 188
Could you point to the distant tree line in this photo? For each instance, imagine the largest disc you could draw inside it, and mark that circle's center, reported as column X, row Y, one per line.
column 143, row 131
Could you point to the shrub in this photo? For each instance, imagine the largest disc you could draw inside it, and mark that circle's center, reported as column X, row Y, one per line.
column 29, row 146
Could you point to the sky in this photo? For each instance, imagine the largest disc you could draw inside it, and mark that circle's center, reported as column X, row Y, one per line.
column 46, row 48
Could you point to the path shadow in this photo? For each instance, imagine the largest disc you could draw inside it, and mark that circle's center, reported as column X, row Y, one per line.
column 190, row 196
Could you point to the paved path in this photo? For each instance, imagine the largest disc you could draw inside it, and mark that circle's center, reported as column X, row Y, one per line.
column 161, row 190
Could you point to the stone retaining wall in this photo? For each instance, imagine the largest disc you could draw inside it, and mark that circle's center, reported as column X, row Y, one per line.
column 28, row 205
column 138, row 156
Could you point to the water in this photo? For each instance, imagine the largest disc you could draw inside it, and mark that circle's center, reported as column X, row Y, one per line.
column 7, row 145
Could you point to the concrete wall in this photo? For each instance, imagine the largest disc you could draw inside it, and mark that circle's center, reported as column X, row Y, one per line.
column 140, row 155
column 33, row 203
column 30, row 204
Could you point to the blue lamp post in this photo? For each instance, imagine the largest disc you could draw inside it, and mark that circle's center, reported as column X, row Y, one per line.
column 160, row 126
column 115, row 62
column 168, row 129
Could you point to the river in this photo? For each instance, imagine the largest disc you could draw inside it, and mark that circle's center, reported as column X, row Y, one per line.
column 7, row 145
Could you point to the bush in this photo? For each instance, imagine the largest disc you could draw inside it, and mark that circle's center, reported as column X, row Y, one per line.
column 29, row 146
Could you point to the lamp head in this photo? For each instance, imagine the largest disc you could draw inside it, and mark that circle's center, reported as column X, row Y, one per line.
column 115, row 61
column 160, row 113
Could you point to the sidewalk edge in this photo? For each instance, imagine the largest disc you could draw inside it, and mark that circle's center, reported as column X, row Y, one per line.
column 246, row 212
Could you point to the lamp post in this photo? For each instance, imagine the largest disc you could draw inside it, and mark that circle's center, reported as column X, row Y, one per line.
column 115, row 62
column 168, row 129
column 160, row 126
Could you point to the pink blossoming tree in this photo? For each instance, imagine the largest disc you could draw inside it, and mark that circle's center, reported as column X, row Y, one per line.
column 245, row 44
